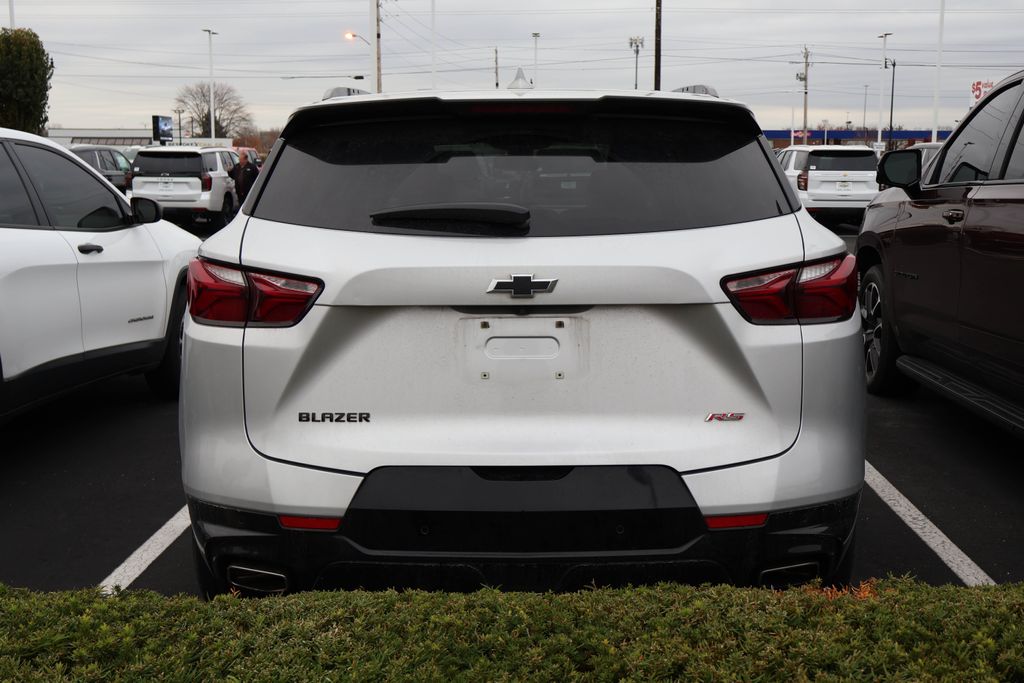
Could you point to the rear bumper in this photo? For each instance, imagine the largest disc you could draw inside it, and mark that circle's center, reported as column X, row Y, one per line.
column 792, row 546
column 854, row 204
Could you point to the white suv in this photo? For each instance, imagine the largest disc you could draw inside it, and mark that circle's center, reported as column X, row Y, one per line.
column 90, row 284
column 832, row 181
column 188, row 182
column 534, row 340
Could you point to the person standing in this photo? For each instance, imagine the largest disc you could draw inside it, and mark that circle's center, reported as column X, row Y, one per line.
column 244, row 175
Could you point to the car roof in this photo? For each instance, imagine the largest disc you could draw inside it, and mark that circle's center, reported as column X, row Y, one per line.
column 830, row 148
column 88, row 148
column 178, row 149
column 518, row 96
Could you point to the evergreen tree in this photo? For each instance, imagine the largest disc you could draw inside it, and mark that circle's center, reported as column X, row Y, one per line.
column 25, row 71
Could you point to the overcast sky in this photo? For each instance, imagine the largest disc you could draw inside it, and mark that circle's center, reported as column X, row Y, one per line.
column 120, row 61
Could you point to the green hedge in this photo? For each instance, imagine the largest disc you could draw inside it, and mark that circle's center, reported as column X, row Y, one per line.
column 894, row 629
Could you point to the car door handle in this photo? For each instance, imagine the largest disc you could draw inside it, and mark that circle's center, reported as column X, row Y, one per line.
column 953, row 216
column 90, row 248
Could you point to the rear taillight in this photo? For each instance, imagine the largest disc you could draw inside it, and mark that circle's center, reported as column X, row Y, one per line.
column 229, row 296
column 801, row 181
column 206, row 182
column 821, row 291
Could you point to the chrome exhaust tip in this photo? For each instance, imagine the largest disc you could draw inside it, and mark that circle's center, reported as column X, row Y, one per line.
column 790, row 575
column 257, row 581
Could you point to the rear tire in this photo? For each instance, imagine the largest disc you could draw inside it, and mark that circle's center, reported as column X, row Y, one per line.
column 165, row 379
column 881, row 349
column 227, row 212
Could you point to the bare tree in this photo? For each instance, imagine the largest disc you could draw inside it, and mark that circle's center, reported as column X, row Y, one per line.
column 229, row 110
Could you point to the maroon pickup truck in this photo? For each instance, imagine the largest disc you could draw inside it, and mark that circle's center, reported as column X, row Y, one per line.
column 941, row 258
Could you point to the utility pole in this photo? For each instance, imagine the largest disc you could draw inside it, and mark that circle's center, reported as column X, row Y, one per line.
column 803, row 78
column 533, row 80
column 892, row 100
column 433, row 48
column 10, row 4
column 213, row 128
column 375, row 9
column 881, row 86
column 495, row 68
column 636, row 42
column 657, row 44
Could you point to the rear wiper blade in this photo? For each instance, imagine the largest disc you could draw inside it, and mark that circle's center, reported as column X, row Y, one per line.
column 455, row 216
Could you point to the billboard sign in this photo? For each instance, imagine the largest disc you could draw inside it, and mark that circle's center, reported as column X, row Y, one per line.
column 979, row 89
column 163, row 128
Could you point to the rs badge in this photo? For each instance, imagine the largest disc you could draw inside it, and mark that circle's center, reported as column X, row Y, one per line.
column 724, row 417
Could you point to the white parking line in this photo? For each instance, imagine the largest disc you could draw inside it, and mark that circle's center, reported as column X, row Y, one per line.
column 963, row 566
column 138, row 561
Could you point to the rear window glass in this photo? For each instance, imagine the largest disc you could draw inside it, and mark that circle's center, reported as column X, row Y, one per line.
column 842, row 161
column 171, row 163
column 577, row 174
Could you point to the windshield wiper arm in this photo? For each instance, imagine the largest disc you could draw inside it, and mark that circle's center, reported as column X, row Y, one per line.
column 509, row 216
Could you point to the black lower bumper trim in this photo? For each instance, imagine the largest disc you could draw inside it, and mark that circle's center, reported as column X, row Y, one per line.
column 431, row 537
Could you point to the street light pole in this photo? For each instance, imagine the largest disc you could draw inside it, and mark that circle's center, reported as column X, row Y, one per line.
column 210, row 34
column 10, row 4
column 938, row 74
column 179, row 112
column 864, row 124
column 892, row 100
column 636, row 42
column 534, row 79
column 881, row 86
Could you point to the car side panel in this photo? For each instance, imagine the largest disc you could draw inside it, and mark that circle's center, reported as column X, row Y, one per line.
column 924, row 262
column 122, row 288
column 991, row 324
column 40, row 316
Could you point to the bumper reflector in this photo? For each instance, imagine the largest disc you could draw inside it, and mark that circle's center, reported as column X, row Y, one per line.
column 736, row 521
column 309, row 523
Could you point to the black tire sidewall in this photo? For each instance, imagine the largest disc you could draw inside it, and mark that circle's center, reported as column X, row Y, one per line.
column 887, row 378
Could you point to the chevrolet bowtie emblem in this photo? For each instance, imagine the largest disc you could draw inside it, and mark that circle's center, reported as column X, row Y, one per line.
column 522, row 286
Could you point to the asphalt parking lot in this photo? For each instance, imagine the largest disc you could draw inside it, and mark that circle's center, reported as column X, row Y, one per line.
column 89, row 478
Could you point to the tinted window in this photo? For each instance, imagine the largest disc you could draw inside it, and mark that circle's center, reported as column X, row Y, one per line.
column 968, row 157
column 577, row 174
column 1015, row 169
column 15, row 207
column 88, row 157
column 226, row 161
column 209, row 161
column 839, row 160
column 784, row 160
column 72, row 196
column 106, row 160
column 171, row 163
column 800, row 163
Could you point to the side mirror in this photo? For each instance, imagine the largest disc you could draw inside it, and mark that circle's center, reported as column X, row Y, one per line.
column 902, row 169
column 146, row 210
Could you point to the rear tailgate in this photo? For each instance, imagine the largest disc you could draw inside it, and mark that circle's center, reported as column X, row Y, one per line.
column 841, row 176
column 406, row 358
column 167, row 176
